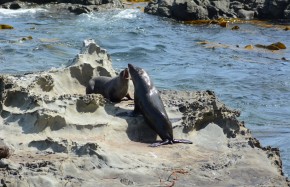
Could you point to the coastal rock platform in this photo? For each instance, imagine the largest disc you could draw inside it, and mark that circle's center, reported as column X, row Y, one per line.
column 76, row 6
column 185, row 10
column 58, row 136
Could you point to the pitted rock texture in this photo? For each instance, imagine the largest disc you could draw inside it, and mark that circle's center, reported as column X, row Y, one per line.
column 58, row 136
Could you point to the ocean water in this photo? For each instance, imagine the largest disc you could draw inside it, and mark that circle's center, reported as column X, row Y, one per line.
column 256, row 82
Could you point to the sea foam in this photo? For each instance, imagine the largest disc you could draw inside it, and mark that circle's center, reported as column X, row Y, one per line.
column 127, row 14
column 15, row 13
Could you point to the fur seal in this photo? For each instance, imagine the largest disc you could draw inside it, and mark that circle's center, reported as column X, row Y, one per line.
column 148, row 102
column 114, row 89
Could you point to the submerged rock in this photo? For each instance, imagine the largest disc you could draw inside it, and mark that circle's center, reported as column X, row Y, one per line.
column 235, row 27
column 60, row 136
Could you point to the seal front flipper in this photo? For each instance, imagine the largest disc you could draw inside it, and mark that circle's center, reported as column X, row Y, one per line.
column 91, row 87
column 129, row 114
column 134, row 113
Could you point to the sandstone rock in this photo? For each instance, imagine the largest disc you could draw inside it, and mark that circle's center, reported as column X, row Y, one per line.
column 62, row 137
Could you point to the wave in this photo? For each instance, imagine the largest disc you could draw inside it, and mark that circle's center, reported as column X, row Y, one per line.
column 127, row 14
column 15, row 13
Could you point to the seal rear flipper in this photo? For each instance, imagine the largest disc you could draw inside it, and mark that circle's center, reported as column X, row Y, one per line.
column 182, row 141
column 128, row 96
column 165, row 142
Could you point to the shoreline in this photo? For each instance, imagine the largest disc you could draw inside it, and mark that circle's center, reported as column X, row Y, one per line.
column 177, row 10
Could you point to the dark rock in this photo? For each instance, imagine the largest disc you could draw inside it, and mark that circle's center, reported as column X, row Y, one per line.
column 15, row 6
column 197, row 9
column 79, row 9
column 246, row 14
column 75, row 6
column 4, row 1
column 4, row 151
column 287, row 12
column 276, row 8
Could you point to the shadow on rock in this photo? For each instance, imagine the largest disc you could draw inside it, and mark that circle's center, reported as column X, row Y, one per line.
column 138, row 130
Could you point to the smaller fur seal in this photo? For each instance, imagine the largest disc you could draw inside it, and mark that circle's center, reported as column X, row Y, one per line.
column 148, row 102
column 114, row 89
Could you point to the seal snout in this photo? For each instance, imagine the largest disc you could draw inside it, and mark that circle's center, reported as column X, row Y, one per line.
column 126, row 74
column 130, row 66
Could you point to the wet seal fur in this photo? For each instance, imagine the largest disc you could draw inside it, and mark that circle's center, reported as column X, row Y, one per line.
column 114, row 89
column 148, row 102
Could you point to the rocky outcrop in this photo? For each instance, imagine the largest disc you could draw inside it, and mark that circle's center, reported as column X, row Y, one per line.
column 58, row 136
column 208, row 9
column 75, row 6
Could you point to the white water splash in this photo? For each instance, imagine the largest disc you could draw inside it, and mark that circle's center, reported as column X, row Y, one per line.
column 127, row 14
column 14, row 13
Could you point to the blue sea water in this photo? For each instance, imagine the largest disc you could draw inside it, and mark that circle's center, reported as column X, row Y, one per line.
column 257, row 82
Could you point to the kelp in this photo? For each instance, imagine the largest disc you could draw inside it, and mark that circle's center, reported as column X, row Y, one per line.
column 235, row 27
column 5, row 26
column 214, row 45
column 249, row 47
column 223, row 22
column 273, row 46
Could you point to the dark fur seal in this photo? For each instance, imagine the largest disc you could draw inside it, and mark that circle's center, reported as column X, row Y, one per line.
column 148, row 102
column 114, row 89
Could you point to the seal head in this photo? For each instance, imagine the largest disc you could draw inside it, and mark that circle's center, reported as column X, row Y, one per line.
column 114, row 89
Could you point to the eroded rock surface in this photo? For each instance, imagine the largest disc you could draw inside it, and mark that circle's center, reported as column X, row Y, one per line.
column 58, row 136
